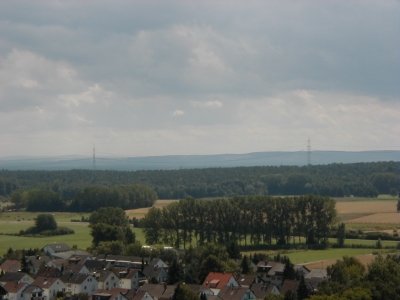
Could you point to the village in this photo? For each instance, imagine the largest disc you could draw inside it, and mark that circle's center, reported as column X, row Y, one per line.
column 61, row 272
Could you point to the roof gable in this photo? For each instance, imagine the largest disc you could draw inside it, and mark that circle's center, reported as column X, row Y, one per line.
column 217, row 280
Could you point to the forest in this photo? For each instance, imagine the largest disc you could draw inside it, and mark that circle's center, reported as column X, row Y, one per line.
column 255, row 220
column 334, row 180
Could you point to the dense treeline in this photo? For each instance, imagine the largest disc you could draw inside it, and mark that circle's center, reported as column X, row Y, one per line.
column 87, row 199
column 335, row 180
column 6, row 187
column 259, row 219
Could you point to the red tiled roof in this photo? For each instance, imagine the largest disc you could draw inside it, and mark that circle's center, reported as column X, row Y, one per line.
column 217, row 280
column 14, row 287
column 11, row 265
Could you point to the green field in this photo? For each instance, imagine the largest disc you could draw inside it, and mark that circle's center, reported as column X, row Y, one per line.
column 13, row 222
column 306, row 256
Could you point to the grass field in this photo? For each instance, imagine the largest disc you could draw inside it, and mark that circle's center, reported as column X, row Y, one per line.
column 13, row 222
column 320, row 256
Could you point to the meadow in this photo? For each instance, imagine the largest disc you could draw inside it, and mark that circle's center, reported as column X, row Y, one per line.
column 13, row 222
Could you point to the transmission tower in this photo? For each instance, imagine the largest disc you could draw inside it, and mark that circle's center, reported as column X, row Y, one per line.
column 308, row 152
column 94, row 158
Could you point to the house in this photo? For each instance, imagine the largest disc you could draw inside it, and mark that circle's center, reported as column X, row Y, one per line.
column 79, row 283
column 314, row 278
column 158, row 263
column 14, row 290
column 261, row 290
column 106, row 280
column 54, row 248
column 112, row 294
column 35, row 263
column 71, row 265
column 16, row 277
column 215, row 282
column 142, row 295
column 236, row 293
column 154, row 290
column 32, row 292
column 246, row 280
column 270, row 272
column 10, row 265
column 50, row 286
column 3, row 293
column 94, row 265
column 121, row 261
column 159, row 291
column 289, row 286
column 71, row 254
column 46, row 271
column 301, row 270
column 156, row 270
column 131, row 279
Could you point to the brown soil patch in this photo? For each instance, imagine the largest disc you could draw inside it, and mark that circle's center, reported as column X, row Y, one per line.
column 362, row 207
column 382, row 218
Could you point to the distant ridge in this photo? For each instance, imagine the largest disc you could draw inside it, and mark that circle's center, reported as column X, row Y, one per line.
column 277, row 158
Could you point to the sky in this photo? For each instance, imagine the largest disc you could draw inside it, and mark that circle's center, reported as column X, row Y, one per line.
column 144, row 78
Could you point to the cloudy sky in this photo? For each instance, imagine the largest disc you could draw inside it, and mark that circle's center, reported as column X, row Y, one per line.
column 163, row 77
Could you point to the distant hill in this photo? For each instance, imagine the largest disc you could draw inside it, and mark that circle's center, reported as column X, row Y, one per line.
column 298, row 158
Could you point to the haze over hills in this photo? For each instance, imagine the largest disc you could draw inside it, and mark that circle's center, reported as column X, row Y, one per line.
column 277, row 158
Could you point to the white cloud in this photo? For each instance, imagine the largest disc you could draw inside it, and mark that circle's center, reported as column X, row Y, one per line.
column 178, row 113
column 208, row 104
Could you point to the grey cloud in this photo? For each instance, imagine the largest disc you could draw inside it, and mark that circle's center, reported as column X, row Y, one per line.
column 241, row 72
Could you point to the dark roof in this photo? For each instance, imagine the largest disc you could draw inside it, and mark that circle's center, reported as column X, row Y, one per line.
column 102, row 275
column 260, row 290
column 160, row 291
column 234, row 293
column 58, row 247
column 44, row 282
column 74, row 278
column 138, row 295
column 12, row 276
column 289, row 285
column 107, row 294
column 246, row 279
column 152, row 272
column 49, row 272
column 95, row 265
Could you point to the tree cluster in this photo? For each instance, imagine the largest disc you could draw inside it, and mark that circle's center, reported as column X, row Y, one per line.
column 46, row 225
column 255, row 220
column 110, row 230
column 348, row 279
column 88, row 199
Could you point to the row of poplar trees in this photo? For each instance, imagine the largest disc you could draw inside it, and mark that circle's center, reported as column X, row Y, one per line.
column 249, row 220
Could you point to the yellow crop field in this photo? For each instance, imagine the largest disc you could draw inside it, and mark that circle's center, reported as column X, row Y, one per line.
column 139, row 213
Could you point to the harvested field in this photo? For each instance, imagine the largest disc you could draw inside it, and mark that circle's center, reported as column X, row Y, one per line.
column 139, row 213
column 382, row 218
column 364, row 207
